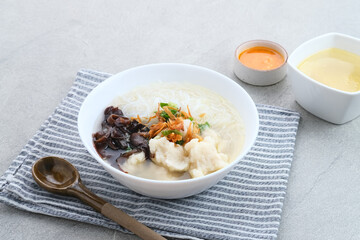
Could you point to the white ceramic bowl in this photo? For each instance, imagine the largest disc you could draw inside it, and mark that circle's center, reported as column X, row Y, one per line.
column 93, row 107
column 325, row 102
column 259, row 77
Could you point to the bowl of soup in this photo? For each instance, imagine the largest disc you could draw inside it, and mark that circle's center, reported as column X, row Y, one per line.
column 168, row 130
column 325, row 77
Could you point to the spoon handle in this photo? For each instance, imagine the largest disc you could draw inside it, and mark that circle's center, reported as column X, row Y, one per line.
column 108, row 210
column 130, row 223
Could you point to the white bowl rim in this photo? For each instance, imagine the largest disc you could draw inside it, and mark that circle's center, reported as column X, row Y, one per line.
column 176, row 182
column 313, row 80
column 265, row 41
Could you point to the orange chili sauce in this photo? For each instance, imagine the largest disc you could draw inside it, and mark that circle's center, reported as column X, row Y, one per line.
column 261, row 58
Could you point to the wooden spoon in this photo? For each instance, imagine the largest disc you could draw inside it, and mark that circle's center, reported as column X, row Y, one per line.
column 58, row 176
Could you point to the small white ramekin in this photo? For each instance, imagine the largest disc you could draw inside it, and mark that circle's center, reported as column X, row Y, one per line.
column 325, row 102
column 260, row 77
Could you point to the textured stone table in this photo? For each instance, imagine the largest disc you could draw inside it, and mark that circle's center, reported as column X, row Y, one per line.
column 44, row 43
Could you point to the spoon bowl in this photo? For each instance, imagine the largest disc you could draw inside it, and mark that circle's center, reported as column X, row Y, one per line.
column 57, row 175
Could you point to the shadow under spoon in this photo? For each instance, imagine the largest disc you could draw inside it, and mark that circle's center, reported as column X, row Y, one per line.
column 58, row 176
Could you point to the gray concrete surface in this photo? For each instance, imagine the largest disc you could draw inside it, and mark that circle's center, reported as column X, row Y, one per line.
column 44, row 43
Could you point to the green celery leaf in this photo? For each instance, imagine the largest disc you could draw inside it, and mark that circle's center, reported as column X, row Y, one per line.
column 202, row 126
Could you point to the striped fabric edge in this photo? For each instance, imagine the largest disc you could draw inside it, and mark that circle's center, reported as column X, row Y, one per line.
column 248, row 201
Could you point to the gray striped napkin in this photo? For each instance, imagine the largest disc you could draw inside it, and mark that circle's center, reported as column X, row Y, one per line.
column 246, row 204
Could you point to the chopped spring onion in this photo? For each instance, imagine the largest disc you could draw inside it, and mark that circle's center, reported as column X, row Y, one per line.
column 168, row 132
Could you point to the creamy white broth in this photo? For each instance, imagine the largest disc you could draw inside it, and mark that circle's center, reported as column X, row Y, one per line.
column 226, row 133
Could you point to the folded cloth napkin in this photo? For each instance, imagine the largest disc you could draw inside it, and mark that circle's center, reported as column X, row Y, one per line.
column 246, row 204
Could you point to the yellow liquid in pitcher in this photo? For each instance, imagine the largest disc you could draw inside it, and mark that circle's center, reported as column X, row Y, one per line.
column 335, row 68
